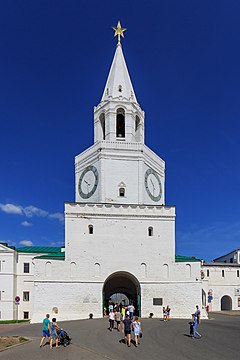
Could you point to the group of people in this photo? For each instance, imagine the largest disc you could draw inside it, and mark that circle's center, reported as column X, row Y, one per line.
column 124, row 310
column 49, row 331
column 125, row 316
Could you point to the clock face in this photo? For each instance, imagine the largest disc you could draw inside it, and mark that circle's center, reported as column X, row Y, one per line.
column 88, row 182
column 153, row 185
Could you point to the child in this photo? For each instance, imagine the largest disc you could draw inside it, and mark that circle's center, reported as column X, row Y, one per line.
column 191, row 329
column 195, row 324
column 136, row 326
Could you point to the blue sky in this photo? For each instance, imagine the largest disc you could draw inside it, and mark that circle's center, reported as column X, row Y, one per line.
column 183, row 58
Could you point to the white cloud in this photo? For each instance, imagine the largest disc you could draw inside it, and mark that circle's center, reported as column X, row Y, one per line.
column 29, row 211
column 26, row 223
column 58, row 216
column 11, row 209
column 26, row 243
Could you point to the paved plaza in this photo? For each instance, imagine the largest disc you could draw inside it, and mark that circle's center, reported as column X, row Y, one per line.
column 161, row 340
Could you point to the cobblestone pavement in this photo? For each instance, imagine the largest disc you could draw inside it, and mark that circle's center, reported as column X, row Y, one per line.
column 161, row 340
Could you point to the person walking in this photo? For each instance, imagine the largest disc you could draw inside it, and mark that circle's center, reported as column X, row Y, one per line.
column 127, row 330
column 53, row 333
column 131, row 311
column 118, row 318
column 137, row 328
column 168, row 310
column 164, row 314
column 198, row 314
column 195, row 324
column 111, row 318
column 123, row 312
column 45, row 330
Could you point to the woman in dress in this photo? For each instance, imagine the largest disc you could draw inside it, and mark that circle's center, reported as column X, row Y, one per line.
column 53, row 333
column 137, row 328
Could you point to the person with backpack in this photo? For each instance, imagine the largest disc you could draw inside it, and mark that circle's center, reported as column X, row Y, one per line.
column 127, row 329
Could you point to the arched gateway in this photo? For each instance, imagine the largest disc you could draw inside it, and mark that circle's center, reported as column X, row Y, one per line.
column 226, row 303
column 123, row 283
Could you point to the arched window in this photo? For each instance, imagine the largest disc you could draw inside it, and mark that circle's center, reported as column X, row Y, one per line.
column 165, row 271
column 97, row 269
column 90, row 229
column 144, row 270
column 73, row 269
column 120, row 88
column 137, row 129
column 150, row 231
column 121, row 192
column 102, row 123
column 120, row 123
column 48, row 269
column 188, row 271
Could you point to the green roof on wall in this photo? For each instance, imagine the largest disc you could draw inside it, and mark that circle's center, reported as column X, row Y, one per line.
column 180, row 258
column 39, row 249
column 53, row 256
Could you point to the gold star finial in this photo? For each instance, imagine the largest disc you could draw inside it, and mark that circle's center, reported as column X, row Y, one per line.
column 119, row 31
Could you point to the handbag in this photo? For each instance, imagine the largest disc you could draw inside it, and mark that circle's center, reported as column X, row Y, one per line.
column 141, row 335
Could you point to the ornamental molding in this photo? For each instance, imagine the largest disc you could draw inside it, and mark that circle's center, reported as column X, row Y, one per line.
column 127, row 216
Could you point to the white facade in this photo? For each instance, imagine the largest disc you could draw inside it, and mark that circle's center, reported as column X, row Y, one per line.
column 221, row 285
column 119, row 234
column 7, row 282
column 17, row 280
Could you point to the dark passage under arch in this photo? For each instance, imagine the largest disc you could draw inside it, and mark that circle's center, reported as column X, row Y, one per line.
column 123, row 283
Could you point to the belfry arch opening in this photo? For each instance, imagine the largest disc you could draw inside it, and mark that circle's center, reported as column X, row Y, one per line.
column 124, row 288
column 120, row 123
column 102, row 123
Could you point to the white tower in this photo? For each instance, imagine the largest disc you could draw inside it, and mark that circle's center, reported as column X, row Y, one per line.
column 119, row 167
column 119, row 235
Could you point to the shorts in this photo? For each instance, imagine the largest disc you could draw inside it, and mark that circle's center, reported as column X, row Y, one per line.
column 53, row 336
column 118, row 322
column 127, row 332
column 46, row 333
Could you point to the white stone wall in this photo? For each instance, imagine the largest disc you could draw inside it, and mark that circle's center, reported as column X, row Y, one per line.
column 181, row 296
column 7, row 283
column 119, row 243
column 220, row 285
column 119, row 228
column 25, row 282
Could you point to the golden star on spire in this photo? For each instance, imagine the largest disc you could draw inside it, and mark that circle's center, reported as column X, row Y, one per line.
column 119, row 31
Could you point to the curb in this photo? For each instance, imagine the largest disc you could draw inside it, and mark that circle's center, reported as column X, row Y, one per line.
column 15, row 345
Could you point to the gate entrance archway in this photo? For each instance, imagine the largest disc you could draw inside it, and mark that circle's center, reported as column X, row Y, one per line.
column 226, row 303
column 123, row 283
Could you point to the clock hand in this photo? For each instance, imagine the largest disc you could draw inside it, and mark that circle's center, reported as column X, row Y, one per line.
column 86, row 182
column 152, row 184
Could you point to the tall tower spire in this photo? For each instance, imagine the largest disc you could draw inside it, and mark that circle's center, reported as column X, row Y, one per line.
column 119, row 83
column 119, row 168
column 118, row 117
